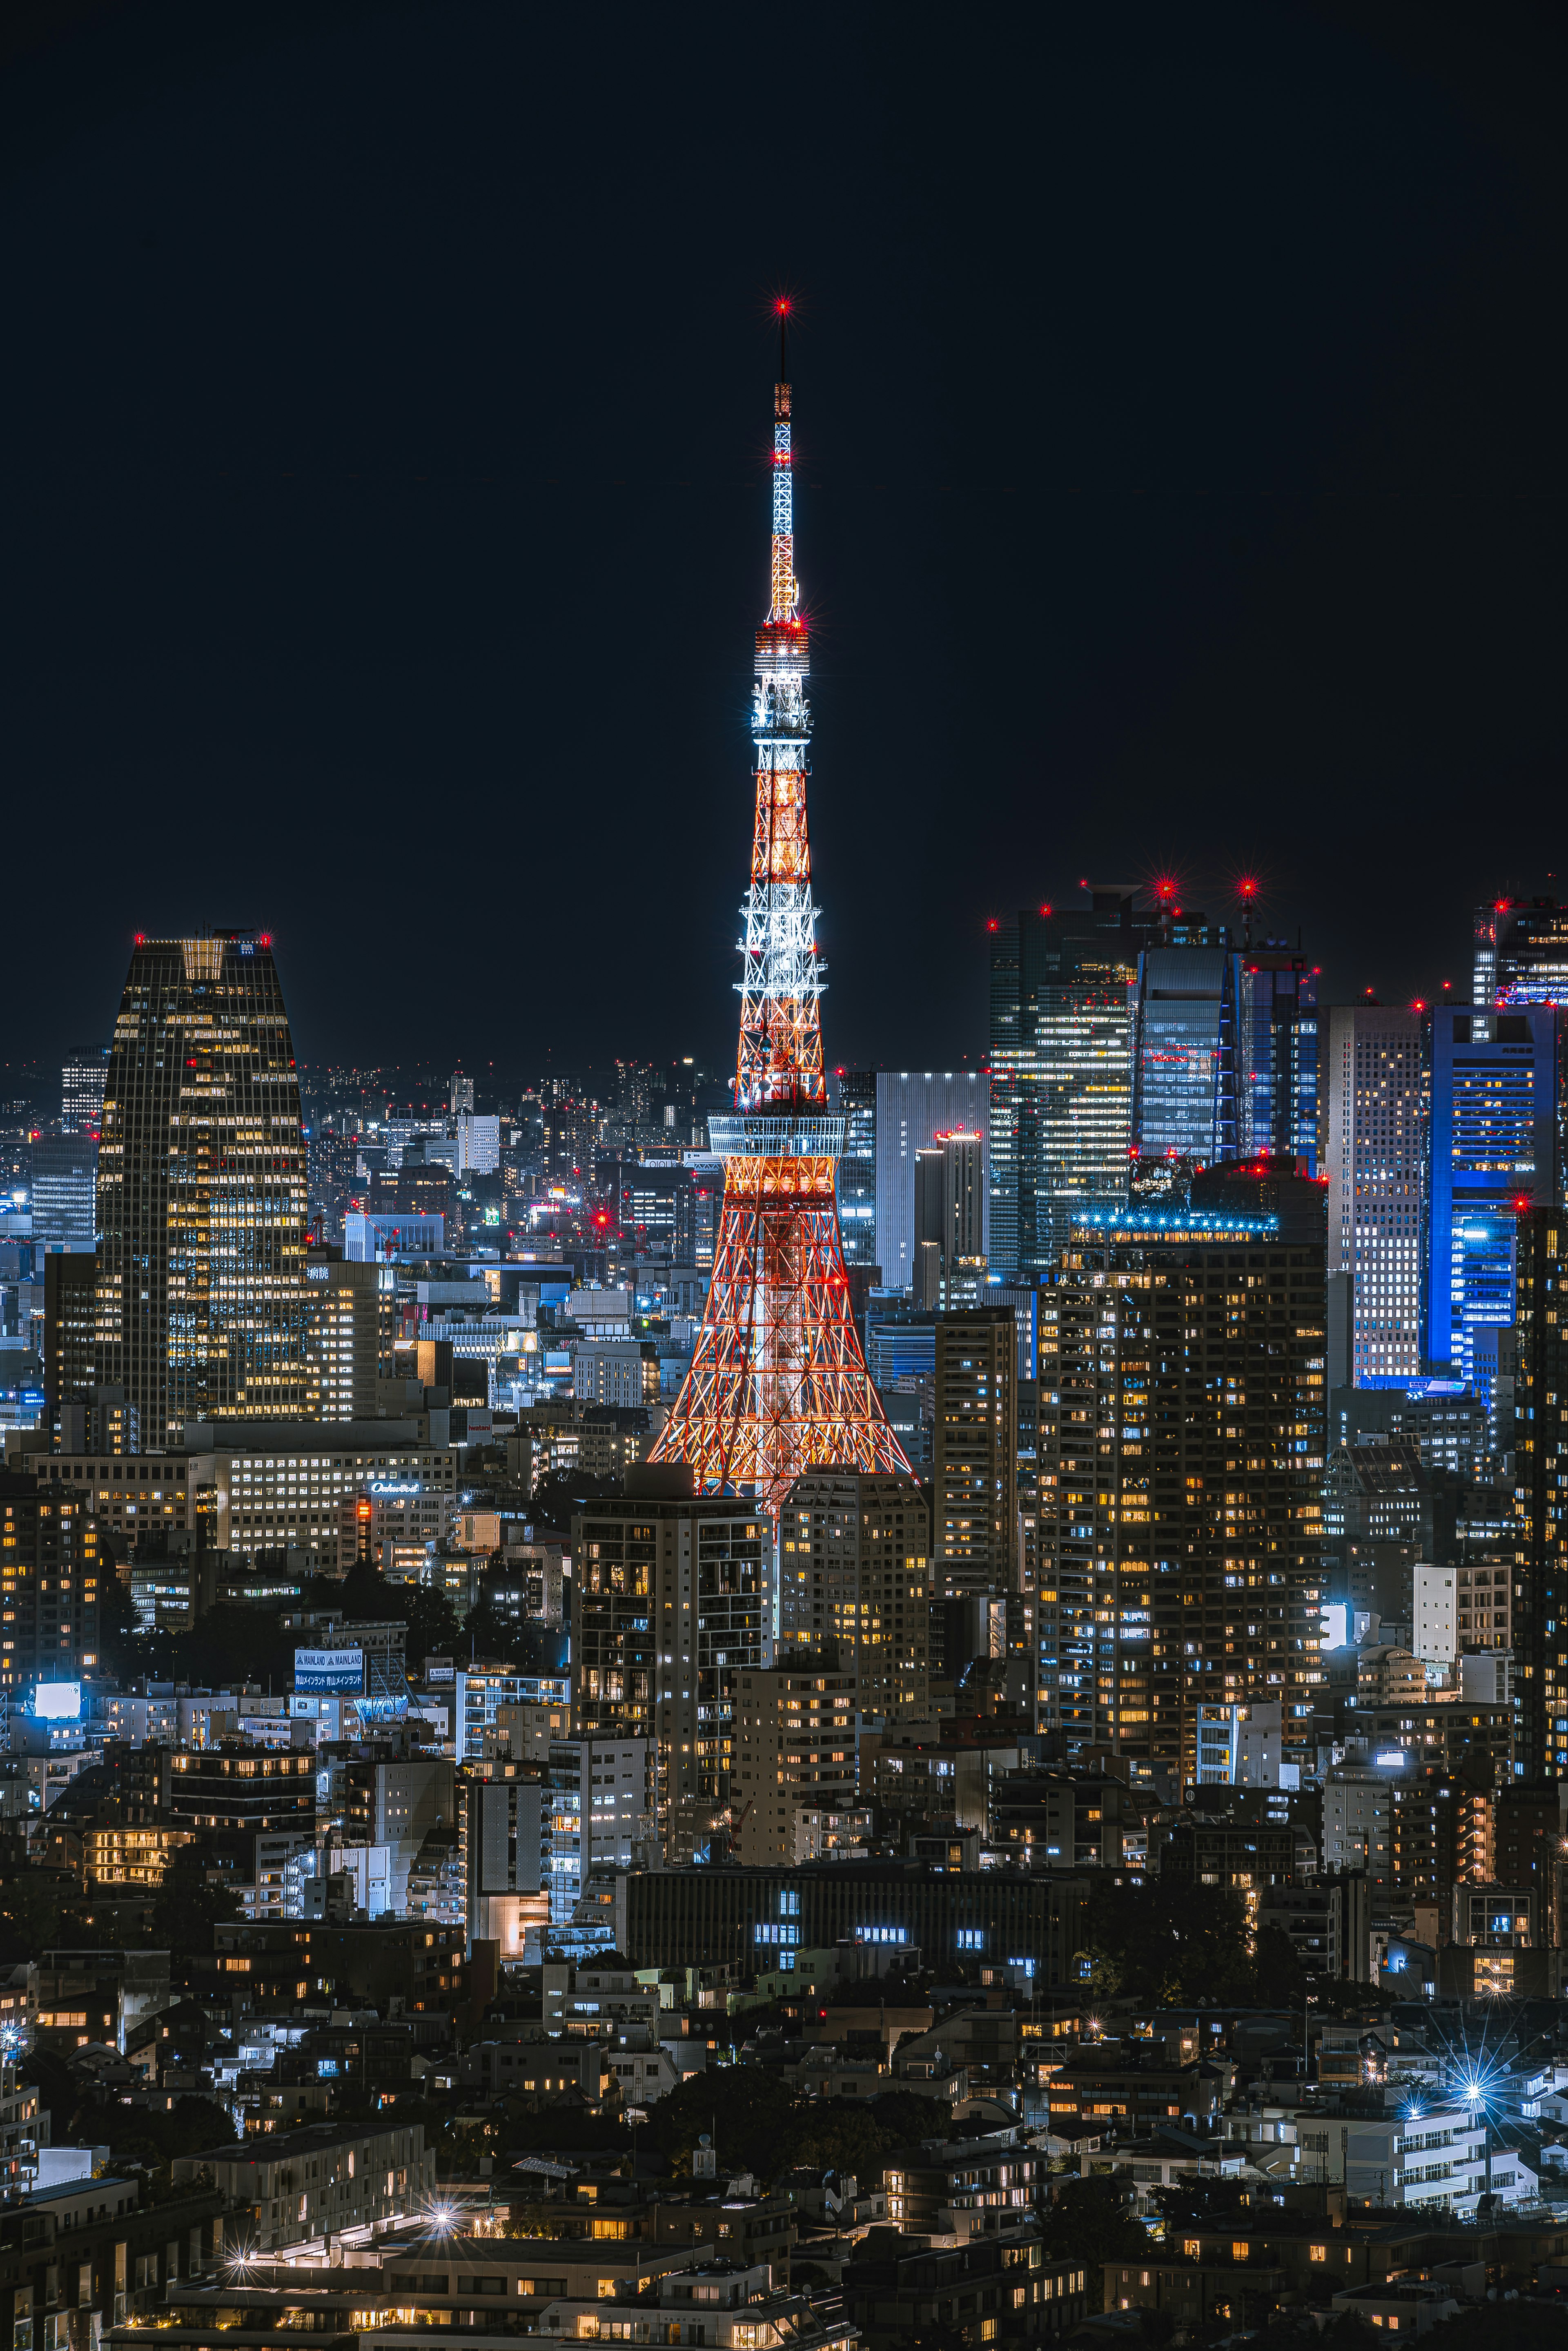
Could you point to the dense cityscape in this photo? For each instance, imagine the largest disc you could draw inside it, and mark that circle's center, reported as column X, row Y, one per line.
column 772, row 1703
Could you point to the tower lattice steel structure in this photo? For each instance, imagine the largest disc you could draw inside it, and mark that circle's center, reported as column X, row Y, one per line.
column 778, row 1383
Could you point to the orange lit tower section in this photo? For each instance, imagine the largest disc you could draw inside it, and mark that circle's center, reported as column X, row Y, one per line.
column 778, row 1383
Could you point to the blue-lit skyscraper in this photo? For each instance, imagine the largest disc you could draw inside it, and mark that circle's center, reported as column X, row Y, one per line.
column 1492, row 1146
column 1185, row 1064
column 1279, row 1033
column 853, row 1093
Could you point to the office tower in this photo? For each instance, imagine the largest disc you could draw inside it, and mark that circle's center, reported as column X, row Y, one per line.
column 1540, row 1448
column 949, row 1266
column 201, row 1192
column 914, row 1108
column 342, row 1332
column 1278, row 1097
column 1181, row 1463
column 1186, row 1068
column 570, row 1125
column 1521, row 953
column 479, row 1140
column 1060, row 1060
column 856, row 1101
column 658, row 1211
column 1376, row 1075
column 1493, row 1147
column 65, row 1192
column 855, row 1571
column 975, row 1470
column 82, row 1080
column 462, row 1095
column 70, row 1328
column 49, row 1568
column 796, row 1757
column 777, row 1384
column 670, row 1597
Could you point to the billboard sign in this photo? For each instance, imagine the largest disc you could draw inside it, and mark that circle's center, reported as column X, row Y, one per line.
column 325, row 1671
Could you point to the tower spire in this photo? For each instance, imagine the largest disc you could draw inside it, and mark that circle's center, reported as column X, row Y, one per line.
column 778, row 1383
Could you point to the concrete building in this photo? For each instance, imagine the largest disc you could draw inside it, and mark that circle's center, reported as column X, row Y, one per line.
column 855, row 1573
column 975, row 1488
column 913, row 1107
column 342, row 1334
column 795, row 1752
column 671, row 1598
column 300, row 2187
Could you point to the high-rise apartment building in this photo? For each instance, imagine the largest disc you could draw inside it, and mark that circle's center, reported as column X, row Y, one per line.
column 975, row 1474
column 462, row 1094
column 913, row 1107
column 65, row 1192
column 796, row 1759
column 1060, row 1068
column 1279, row 1092
column 1188, row 1057
column 342, row 1332
column 1375, row 1072
column 854, row 1572
column 201, row 1191
column 853, row 1094
column 1541, row 1460
column 671, row 1598
column 71, row 1329
column 49, row 1570
column 1493, row 1146
column 1522, row 952
column 1181, row 1464
column 82, row 1078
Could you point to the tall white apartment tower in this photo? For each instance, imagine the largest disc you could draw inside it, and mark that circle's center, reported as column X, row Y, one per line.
column 1374, row 1072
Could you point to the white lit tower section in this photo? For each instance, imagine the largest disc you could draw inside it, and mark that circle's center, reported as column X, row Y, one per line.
column 1377, row 1100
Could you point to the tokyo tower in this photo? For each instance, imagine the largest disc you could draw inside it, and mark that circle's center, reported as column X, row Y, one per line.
column 778, row 1383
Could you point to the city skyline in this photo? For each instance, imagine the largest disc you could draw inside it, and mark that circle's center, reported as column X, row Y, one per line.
column 1147, row 559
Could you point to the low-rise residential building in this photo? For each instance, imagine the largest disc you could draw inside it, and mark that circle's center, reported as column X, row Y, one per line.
column 302, row 2184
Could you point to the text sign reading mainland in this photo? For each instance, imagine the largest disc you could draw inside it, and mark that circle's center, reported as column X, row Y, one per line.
column 328, row 1669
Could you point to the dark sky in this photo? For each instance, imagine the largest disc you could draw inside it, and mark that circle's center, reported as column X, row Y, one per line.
column 1180, row 401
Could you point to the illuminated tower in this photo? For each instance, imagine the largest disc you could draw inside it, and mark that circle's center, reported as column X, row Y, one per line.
column 778, row 1383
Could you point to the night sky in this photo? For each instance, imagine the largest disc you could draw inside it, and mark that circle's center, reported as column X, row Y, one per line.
column 1180, row 409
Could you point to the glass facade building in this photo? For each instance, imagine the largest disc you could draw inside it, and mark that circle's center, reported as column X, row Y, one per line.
column 201, row 1301
column 853, row 1093
column 1185, row 1054
column 1062, row 985
column 1277, row 1095
column 1493, row 1148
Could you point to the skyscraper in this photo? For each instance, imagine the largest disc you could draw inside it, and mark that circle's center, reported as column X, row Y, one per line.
column 1279, row 1092
column 201, row 1191
column 342, row 1332
column 1060, row 1062
column 1492, row 1149
column 1374, row 1074
column 1182, row 1445
column 855, row 1093
column 949, row 1220
column 1185, row 1061
column 1522, row 952
column 1541, row 1444
column 913, row 1107
column 82, row 1080
column 975, row 1480
column 63, row 1192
